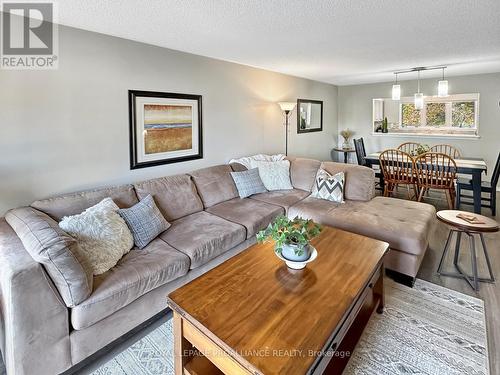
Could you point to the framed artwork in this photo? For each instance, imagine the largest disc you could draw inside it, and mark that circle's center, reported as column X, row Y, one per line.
column 164, row 128
column 309, row 116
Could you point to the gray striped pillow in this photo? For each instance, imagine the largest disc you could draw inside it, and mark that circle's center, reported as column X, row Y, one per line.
column 248, row 182
column 145, row 221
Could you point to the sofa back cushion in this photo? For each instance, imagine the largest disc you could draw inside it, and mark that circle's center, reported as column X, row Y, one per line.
column 57, row 251
column 175, row 196
column 215, row 184
column 303, row 172
column 359, row 182
column 75, row 203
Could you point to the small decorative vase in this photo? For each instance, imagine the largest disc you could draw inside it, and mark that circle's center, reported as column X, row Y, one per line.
column 346, row 144
column 290, row 252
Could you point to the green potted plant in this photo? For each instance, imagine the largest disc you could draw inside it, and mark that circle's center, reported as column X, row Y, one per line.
column 291, row 237
column 385, row 125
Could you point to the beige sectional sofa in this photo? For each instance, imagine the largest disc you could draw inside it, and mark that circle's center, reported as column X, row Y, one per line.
column 40, row 334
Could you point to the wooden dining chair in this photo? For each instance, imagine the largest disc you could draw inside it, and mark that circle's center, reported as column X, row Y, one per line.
column 449, row 150
column 408, row 147
column 489, row 189
column 436, row 171
column 398, row 169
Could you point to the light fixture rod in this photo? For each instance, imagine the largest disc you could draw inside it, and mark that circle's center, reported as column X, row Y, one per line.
column 420, row 68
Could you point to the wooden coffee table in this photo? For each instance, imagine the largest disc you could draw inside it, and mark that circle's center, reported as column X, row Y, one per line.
column 253, row 315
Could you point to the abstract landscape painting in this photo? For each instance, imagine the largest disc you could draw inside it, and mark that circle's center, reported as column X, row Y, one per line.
column 167, row 128
column 164, row 128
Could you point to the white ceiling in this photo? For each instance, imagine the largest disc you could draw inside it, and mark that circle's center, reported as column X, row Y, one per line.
column 338, row 41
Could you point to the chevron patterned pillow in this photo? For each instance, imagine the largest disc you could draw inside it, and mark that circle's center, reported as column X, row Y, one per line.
column 329, row 187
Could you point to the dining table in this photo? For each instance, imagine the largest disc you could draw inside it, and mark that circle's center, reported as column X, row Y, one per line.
column 474, row 167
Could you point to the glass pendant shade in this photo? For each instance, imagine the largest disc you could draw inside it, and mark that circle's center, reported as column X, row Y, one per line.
column 287, row 106
column 396, row 92
column 419, row 100
column 442, row 88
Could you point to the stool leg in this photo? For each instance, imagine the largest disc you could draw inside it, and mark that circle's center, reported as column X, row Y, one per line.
column 472, row 245
column 445, row 251
column 457, row 248
column 485, row 250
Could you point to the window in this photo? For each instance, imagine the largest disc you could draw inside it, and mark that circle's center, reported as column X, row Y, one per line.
column 453, row 115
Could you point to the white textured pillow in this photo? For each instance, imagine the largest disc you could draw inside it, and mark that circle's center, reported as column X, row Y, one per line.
column 274, row 174
column 102, row 235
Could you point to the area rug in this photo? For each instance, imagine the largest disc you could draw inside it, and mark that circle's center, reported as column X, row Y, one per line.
column 425, row 330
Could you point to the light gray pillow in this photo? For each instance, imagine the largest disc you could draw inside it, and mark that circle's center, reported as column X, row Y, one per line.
column 248, row 182
column 56, row 250
column 145, row 221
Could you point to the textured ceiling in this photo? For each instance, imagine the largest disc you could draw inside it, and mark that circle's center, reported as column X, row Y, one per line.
column 337, row 41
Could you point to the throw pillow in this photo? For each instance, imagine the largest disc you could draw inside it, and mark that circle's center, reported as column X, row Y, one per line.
column 248, row 182
column 329, row 187
column 145, row 221
column 274, row 174
column 56, row 250
column 102, row 234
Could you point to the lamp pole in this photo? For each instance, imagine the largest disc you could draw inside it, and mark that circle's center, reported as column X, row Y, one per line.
column 287, row 112
column 287, row 108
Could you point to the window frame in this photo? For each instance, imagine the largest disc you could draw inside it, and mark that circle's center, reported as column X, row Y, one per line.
column 448, row 100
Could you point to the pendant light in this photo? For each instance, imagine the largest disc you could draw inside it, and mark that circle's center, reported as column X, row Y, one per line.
column 419, row 97
column 443, row 87
column 396, row 90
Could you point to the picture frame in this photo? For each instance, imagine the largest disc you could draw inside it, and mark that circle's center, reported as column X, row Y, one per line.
column 309, row 116
column 164, row 128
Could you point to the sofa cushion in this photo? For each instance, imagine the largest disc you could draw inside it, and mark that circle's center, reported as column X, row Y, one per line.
column 202, row 236
column 359, row 182
column 215, row 184
column 136, row 273
column 75, row 203
column 175, row 196
column 56, row 250
column 329, row 187
column 282, row 198
column 405, row 225
column 303, row 172
column 254, row 215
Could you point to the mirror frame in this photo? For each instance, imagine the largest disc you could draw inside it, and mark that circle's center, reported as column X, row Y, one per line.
column 299, row 102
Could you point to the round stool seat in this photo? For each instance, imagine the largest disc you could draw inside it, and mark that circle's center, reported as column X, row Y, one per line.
column 450, row 217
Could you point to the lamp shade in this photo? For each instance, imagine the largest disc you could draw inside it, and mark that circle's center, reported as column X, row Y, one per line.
column 419, row 100
column 442, row 88
column 396, row 92
column 287, row 106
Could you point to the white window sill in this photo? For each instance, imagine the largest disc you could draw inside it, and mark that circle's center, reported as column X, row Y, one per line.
column 425, row 135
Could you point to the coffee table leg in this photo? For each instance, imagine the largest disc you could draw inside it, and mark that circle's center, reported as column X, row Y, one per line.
column 378, row 289
column 181, row 346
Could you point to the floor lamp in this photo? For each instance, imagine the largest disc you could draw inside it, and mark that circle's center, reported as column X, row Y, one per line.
column 287, row 108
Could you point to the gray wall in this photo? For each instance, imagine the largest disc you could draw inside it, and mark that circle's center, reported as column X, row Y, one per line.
column 355, row 112
column 67, row 129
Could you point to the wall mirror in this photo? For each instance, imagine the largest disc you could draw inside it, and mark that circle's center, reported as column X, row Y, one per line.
column 309, row 116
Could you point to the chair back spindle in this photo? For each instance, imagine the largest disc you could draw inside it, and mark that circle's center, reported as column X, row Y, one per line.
column 408, row 147
column 449, row 150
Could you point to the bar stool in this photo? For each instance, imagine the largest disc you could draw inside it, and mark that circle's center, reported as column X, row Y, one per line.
column 461, row 226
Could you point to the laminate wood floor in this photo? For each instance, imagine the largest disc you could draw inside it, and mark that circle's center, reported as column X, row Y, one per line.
column 489, row 293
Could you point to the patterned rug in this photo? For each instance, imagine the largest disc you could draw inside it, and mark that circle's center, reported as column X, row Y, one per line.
column 425, row 330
